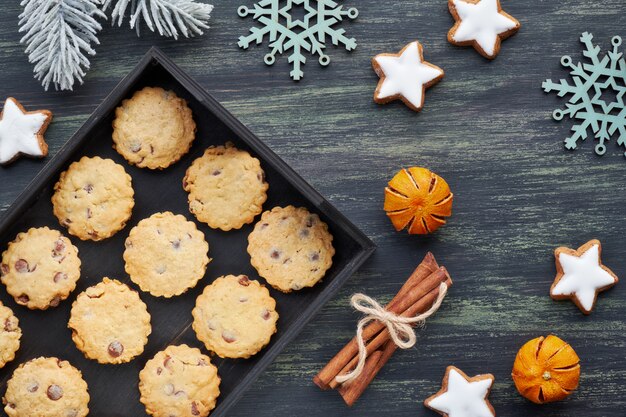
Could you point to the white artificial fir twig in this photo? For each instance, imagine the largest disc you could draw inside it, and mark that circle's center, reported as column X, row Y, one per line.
column 167, row 16
column 59, row 34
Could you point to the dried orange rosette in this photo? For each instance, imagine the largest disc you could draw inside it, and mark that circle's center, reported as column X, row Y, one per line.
column 546, row 370
column 419, row 200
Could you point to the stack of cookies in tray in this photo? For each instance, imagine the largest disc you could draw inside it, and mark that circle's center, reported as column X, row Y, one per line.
column 165, row 255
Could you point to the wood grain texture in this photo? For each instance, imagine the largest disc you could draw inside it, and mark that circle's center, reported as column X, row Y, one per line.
column 486, row 128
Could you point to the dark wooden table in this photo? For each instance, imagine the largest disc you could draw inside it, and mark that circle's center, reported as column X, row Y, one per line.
column 486, row 128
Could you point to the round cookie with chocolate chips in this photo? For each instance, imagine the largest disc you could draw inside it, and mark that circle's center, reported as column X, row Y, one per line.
column 291, row 248
column 235, row 317
column 46, row 387
column 93, row 198
column 109, row 322
column 10, row 334
column 166, row 254
column 153, row 129
column 40, row 268
column 179, row 381
column 226, row 187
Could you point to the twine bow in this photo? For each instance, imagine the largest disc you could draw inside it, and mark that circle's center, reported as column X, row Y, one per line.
column 400, row 328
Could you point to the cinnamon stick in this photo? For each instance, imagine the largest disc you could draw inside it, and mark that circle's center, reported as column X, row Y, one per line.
column 344, row 356
column 413, row 295
column 424, row 269
column 422, row 304
column 353, row 391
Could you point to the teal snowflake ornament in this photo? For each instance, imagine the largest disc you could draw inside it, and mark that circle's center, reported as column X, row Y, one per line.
column 597, row 95
column 286, row 30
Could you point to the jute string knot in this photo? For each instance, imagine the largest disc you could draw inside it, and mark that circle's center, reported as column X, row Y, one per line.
column 400, row 328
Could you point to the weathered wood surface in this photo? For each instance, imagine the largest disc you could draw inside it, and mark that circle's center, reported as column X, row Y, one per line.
column 486, row 128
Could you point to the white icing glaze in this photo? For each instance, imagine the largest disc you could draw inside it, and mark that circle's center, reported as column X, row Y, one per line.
column 18, row 132
column 406, row 75
column 463, row 398
column 481, row 22
column 582, row 277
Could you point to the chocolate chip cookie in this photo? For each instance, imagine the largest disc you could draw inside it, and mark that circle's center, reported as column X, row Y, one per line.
column 235, row 317
column 46, row 387
column 291, row 248
column 153, row 129
column 93, row 198
column 40, row 268
column 226, row 187
column 179, row 381
column 10, row 334
column 166, row 254
column 109, row 322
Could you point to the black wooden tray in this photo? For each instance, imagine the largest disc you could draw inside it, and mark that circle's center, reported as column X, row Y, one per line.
column 113, row 388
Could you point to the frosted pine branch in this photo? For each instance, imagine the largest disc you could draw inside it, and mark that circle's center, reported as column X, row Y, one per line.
column 59, row 34
column 168, row 17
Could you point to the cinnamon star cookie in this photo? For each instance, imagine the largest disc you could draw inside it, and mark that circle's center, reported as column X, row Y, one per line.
column 235, row 317
column 93, row 198
column 226, row 187
column 291, row 248
column 46, row 387
column 153, row 129
column 10, row 334
column 179, row 381
column 581, row 275
column 40, row 268
column 21, row 132
column 405, row 76
column 482, row 24
column 109, row 322
column 462, row 396
column 166, row 254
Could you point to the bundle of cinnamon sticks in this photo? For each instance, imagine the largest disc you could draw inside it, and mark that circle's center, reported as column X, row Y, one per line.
column 416, row 296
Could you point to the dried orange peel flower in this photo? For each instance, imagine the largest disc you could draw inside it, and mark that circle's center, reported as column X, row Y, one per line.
column 419, row 200
column 546, row 370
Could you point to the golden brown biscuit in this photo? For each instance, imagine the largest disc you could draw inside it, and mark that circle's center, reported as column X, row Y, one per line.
column 235, row 317
column 226, row 187
column 93, row 198
column 179, row 381
column 153, row 129
column 166, row 254
column 46, row 387
column 109, row 322
column 10, row 334
column 291, row 248
column 40, row 268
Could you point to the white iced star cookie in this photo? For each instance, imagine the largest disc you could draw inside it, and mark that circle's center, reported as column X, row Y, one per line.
column 482, row 24
column 462, row 396
column 405, row 76
column 581, row 276
column 21, row 132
